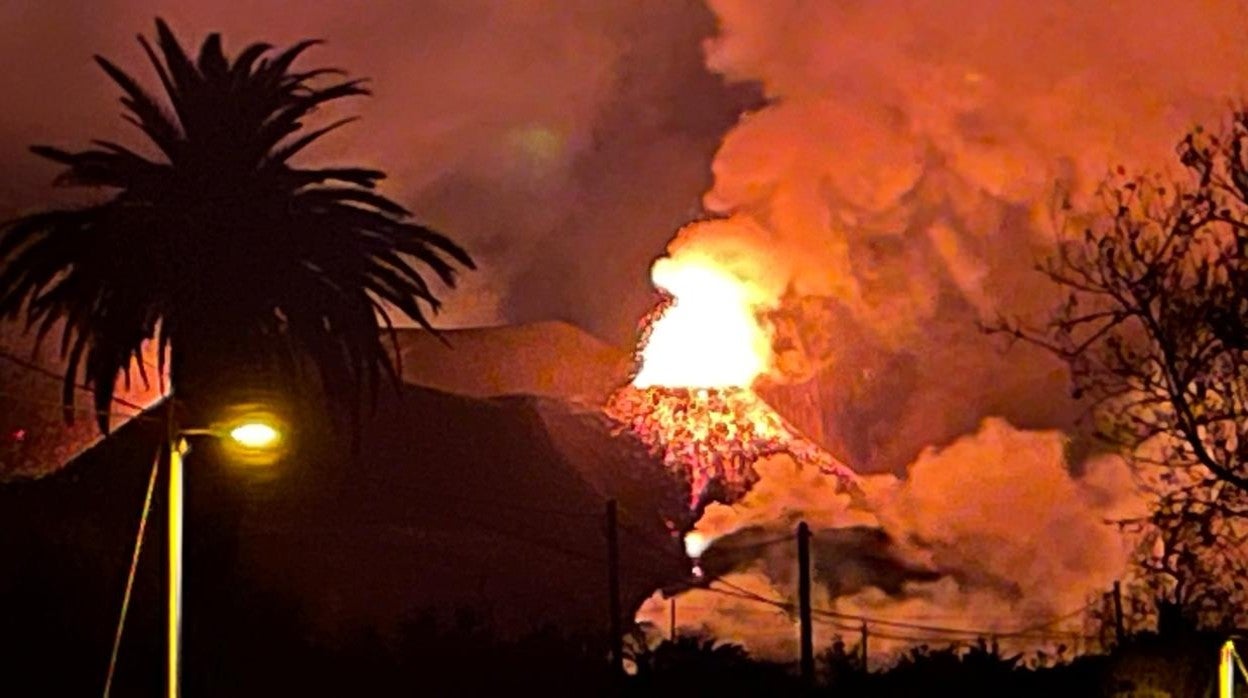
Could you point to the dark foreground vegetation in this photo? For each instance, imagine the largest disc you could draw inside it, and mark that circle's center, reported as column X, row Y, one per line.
column 256, row 645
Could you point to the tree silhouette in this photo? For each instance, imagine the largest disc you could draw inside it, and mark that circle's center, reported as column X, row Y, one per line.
column 234, row 260
column 1154, row 329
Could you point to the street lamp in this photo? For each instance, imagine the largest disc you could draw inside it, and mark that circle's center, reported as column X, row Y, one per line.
column 256, row 435
column 252, row 438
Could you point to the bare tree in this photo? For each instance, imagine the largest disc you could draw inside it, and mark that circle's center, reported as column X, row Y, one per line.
column 1154, row 329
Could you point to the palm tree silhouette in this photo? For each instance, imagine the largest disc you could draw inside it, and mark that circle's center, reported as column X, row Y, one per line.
column 234, row 260
column 248, row 271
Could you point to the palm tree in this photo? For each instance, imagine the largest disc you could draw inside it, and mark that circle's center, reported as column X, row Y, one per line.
column 234, row 260
column 244, row 268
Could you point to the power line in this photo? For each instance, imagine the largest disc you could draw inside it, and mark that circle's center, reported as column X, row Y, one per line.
column 741, row 592
column 788, row 538
column 1065, row 616
column 25, row 399
column 134, row 565
column 32, row 366
column 964, row 633
column 517, row 506
column 843, row 627
column 922, row 627
column 1029, row 632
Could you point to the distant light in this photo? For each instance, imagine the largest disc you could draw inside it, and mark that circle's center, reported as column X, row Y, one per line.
column 255, row 435
column 696, row 544
column 541, row 144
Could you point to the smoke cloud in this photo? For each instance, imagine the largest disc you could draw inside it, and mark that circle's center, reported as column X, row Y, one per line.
column 991, row 534
column 898, row 187
column 897, row 190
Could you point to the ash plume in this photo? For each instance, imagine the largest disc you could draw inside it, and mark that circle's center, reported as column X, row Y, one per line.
column 899, row 185
column 896, row 190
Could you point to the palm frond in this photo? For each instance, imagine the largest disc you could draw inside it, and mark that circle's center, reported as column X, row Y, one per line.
column 227, row 247
column 212, row 63
column 150, row 116
column 285, row 152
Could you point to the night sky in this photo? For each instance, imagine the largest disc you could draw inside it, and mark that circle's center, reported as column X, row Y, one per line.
column 562, row 143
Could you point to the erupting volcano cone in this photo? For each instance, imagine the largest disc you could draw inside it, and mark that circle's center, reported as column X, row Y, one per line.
column 691, row 399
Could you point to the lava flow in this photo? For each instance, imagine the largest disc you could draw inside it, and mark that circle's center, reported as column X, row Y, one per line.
column 691, row 399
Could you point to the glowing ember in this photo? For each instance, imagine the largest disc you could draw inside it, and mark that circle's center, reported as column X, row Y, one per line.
column 714, row 436
column 691, row 400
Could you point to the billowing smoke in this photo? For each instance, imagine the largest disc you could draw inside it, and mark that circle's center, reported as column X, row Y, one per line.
column 899, row 185
column 897, row 190
column 991, row 534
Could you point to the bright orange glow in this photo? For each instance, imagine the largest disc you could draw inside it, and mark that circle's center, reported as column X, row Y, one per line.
column 691, row 400
column 714, row 437
column 708, row 336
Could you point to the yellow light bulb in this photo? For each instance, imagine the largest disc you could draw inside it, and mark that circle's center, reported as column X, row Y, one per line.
column 255, row 435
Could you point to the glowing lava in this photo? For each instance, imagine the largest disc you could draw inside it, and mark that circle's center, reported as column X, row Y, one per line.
column 709, row 337
column 691, row 400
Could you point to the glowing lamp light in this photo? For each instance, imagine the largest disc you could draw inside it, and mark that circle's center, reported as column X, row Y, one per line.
column 255, row 438
column 255, row 435
column 696, row 544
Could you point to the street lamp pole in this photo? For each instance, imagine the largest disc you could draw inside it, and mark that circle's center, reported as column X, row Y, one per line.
column 253, row 436
column 177, row 447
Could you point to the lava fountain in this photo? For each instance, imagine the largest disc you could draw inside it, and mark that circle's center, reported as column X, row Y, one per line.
column 691, row 401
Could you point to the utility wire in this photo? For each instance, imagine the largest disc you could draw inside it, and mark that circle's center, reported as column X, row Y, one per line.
column 1243, row 671
column 32, row 366
column 927, row 628
column 832, row 617
column 134, row 566
column 1065, row 616
column 1027, row 633
column 754, row 546
column 517, row 506
column 740, row 592
column 26, row 399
